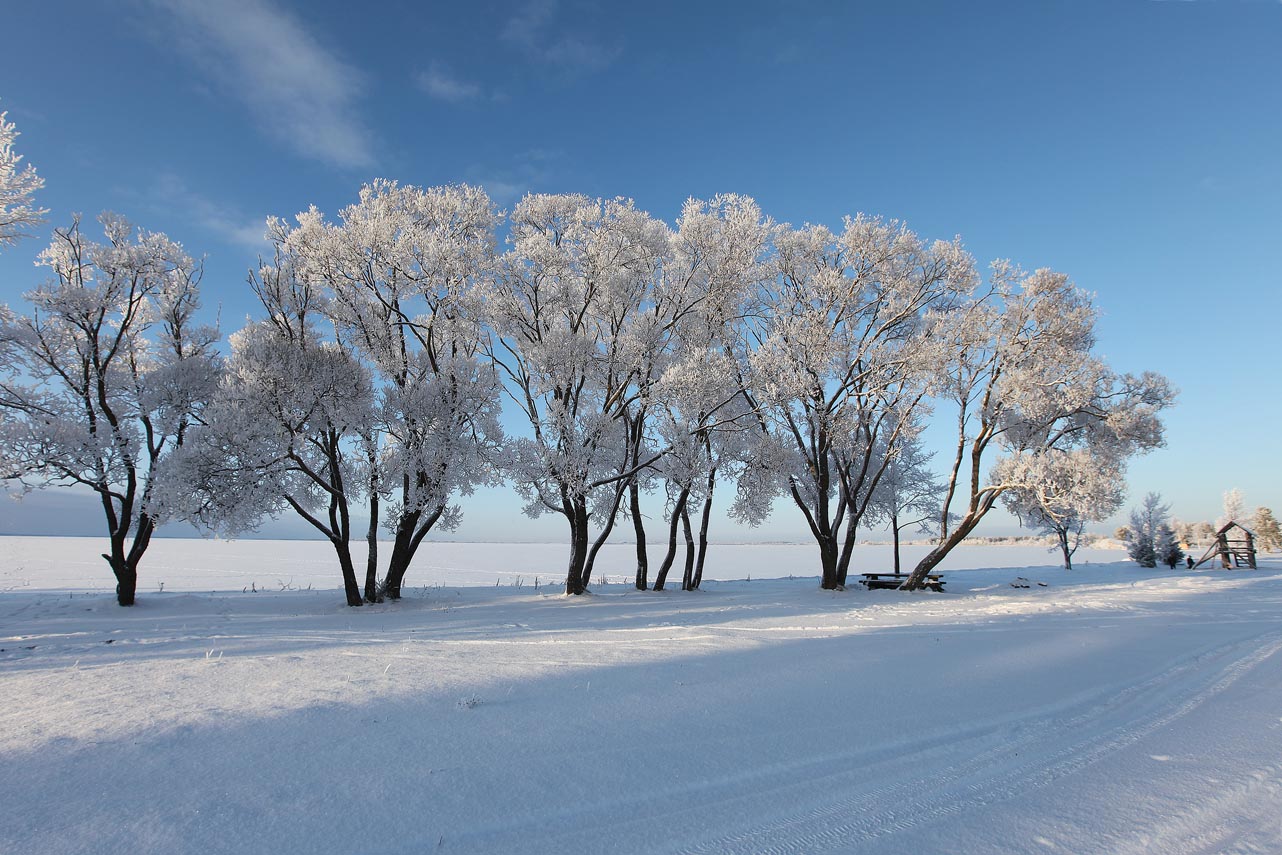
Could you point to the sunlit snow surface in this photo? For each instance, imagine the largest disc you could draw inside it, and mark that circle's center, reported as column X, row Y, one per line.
column 1112, row 710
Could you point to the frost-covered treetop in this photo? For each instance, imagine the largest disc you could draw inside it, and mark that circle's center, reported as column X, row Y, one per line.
column 18, row 186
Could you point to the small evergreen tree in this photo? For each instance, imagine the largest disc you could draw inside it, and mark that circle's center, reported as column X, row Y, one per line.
column 1167, row 546
column 1267, row 532
column 1145, row 522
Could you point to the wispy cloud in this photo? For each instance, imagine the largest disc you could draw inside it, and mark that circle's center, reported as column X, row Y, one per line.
column 527, row 172
column 172, row 197
column 536, row 31
column 439, row 83
column 299, row 92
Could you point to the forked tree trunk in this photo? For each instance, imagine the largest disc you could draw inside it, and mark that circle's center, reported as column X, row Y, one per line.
column 411, row 528
column 124, row 564
column 1063, row 547
column 126, row 576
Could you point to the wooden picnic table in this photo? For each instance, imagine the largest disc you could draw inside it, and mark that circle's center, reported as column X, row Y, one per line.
column 934, row 581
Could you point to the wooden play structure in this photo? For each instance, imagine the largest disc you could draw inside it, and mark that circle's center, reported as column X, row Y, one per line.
column 1234, row 549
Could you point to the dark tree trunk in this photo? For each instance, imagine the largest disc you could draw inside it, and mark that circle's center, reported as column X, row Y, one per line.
column 703, row 532
column 894, row 527
column 371, row 560
column 350, row 586
column 828, row 564
column 1063, row 547
column 410, row 531
column 687, row 578
column 964, row 527
column 638, row 528
column 576, row 511
column 402, row 553
column 661, row 578
column 847, row 551
column 601, row 538
column 124, row 565
column 126, row 575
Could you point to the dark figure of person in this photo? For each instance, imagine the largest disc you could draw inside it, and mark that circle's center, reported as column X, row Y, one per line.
column 1188, row 559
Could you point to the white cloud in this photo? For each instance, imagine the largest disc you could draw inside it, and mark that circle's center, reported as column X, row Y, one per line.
column 173, row 197
column 524, row 173
column 534, row 30
column 440, row 84
column 297, row 91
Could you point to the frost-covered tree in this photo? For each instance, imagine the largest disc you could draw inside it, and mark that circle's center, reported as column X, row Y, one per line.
column 1166, row 546
column 1185, row 532
column 1146, row 522
column 571, row 313
column 18, row 186
column 838, row 356
column 695, row 407
column 701, row 420
column 1205, row 532
column 1267, row 532
column 1234, row 508
column 1020, row 373
column 398, row 273
column 1074, row 487
column 288, row 428
column 101, row 382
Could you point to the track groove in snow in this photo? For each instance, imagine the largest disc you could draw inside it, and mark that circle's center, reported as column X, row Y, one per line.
column 989, row 775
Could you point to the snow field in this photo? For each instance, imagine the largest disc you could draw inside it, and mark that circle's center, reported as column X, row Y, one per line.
column 1114, row 710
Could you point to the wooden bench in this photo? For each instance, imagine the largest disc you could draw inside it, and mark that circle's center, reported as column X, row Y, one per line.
column 934, row 581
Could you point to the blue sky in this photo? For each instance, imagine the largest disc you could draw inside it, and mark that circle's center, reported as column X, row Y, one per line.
column 1133, row 144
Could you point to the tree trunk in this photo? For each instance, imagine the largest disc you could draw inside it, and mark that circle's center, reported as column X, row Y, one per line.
column 402, row 553
column 576, row 511
column 371, row 560
column 703, row 532
column 410, row 531
column 602, row 537
column 828, row 564
column 126, row 575
column 847, row 551
column 124, row 566
column 638, row 527
column 662, row 578
column 964, row 527
column 894, row 527
column 1063, row 546
column 350, row 586
column 687, row 578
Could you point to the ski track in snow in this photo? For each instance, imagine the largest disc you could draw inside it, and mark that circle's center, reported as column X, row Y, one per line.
column 991, row 774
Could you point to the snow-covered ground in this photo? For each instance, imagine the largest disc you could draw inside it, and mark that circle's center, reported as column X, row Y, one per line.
column 1112, row 710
